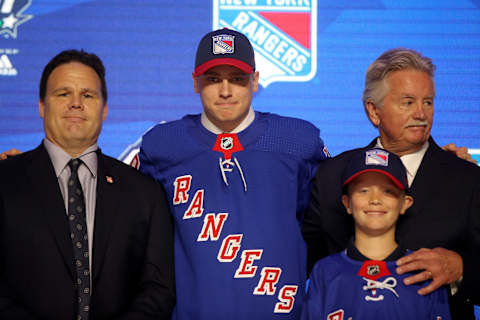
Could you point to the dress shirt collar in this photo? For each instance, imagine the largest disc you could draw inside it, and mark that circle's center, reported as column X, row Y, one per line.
column 411, row 161
column 60, row 158
column 242, row 126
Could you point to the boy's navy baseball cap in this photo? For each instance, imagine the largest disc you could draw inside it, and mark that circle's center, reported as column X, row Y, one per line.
column 376, row 160
column 224, row 47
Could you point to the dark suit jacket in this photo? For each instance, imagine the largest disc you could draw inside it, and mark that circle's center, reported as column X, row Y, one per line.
column 445, row 213
column 132, row 262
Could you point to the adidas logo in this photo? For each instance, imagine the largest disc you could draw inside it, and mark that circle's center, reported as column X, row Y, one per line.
column 6, row 67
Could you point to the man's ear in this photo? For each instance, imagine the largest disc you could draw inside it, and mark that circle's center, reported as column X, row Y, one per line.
column 256, row 77
column 41, row 108
column 104, row 112
column 346, row 203
column 195, row 83
column 407, row 203
column 372, row 112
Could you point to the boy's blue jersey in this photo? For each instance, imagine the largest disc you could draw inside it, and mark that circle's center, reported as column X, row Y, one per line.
column 342, row 288
column 237, row 203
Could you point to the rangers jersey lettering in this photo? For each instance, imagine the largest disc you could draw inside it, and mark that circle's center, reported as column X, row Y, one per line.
column 212, row 226
column 182, row 186
column 230, row 247
column 195, row 209
column 246, row 269
column 286, row 298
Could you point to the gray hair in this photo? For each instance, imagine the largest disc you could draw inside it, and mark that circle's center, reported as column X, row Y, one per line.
column 390, row 61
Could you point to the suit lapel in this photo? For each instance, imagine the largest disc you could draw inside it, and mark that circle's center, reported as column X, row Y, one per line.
column 426, row 177
column 430, row 164
column 44, row 182
column 108, row 193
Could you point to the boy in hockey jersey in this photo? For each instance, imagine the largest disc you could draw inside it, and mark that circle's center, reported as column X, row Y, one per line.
column 238, row 181
column 361, row 282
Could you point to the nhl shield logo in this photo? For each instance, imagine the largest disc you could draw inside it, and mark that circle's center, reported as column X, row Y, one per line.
column 283, row 35
column 373, row 270
column 223, row 43
column 226, row 143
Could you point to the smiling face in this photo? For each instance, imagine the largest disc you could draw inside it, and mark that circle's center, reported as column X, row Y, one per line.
column 73, row 109
column 375, row 203
column 405, row 119
column 226, row 93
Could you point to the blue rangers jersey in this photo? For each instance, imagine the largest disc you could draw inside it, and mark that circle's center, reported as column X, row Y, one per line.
column 237, row 202
column 342, row 288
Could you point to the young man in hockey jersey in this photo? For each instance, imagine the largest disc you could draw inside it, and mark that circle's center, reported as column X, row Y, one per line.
column 238, row 181
column 361, row 282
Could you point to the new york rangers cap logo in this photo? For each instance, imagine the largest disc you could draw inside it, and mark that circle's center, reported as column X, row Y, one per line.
column 223, row 44
column 283, row 35
column 224, row 47
column 376, row 157
column 376, row 160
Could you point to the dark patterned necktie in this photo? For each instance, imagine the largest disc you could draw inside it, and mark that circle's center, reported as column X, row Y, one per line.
column 78, row 233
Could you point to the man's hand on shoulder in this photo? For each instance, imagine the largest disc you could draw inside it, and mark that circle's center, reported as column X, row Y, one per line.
column 461, row 152
column 441, row 265
column 9, row 153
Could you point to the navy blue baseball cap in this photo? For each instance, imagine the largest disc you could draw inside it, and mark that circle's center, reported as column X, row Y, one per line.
column 224, row 47
column 376, row 160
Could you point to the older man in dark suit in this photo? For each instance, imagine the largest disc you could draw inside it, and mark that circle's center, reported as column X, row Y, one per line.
column 443, row 225
column 82, row 235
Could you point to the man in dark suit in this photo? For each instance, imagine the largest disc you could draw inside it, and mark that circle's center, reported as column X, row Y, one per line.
column 82, row 235
column 443, row 224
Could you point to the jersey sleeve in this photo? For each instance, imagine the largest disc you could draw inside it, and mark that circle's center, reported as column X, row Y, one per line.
column 313, row 306
column 146, row 164
column 309, row 167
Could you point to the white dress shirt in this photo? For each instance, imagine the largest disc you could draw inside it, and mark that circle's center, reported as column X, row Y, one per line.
column 411, row 161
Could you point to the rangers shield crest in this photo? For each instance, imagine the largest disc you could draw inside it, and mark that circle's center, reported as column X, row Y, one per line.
column 223, row 44
column 283, row 35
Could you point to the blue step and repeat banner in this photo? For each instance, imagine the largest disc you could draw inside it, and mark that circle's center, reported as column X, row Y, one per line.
column 312, row 56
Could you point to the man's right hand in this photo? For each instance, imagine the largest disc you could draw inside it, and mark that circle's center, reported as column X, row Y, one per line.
column 9, row 153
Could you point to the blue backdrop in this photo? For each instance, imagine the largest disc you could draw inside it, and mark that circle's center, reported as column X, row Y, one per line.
column 148, row 48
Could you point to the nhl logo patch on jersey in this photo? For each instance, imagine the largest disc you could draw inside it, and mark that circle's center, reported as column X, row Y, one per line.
column 223, row 44
column 373, row 270
column 226, row 143
column 376, row 157
column 283, row 35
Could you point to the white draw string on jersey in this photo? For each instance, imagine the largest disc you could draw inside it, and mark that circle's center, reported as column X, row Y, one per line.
column 389, row 283
column 227, row 166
